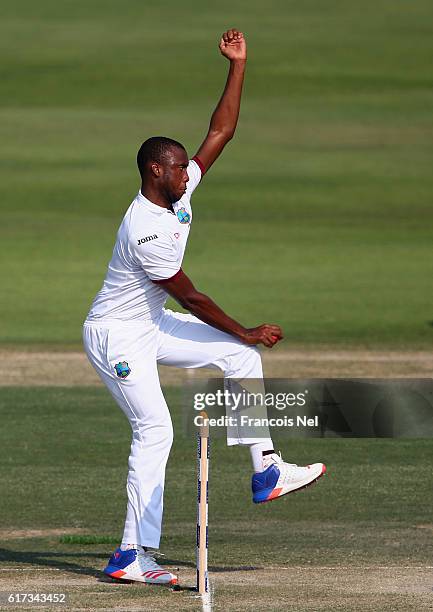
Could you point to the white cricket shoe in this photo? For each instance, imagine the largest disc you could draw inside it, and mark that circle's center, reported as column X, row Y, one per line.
column 280, row 478
column 139, row 565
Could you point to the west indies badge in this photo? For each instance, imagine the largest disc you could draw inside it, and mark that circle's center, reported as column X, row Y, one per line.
column 122, row 369
column 183, row 216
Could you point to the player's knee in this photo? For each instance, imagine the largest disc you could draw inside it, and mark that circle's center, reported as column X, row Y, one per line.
column 159, row 436
column 164, row 435
column 248, row 364
column 254, row 362
column 169, row 436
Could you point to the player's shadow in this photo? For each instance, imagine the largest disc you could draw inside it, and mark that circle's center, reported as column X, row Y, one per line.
column 58, row 560
column 51, row 560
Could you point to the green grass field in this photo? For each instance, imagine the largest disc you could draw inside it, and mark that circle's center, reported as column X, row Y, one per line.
column 64, row 452
column 318, row 216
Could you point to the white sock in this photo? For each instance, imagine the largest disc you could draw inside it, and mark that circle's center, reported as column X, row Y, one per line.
column 257, row 451
column 129, row 546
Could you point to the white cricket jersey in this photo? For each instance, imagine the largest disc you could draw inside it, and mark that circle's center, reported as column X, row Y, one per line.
column 149, row 247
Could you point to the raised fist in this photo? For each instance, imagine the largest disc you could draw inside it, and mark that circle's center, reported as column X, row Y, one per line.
column 233, row 46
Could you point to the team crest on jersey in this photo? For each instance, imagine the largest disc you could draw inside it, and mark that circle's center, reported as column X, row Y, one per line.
column 122, row 369
column 183, row 216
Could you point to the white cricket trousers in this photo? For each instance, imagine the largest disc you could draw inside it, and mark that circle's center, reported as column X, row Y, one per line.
column 175, row 339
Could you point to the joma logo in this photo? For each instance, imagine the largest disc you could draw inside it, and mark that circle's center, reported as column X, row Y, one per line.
column 143, row 240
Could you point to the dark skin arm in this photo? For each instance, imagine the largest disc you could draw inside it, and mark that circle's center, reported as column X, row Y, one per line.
column 222, row 127
column 183, row 291
column 225, row 117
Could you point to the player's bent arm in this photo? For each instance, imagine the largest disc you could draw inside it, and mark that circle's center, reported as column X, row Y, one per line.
column 183, row 291
column 225, row 117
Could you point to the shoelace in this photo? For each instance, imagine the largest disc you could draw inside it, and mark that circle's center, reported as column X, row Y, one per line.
column 276, row 459
column 288, row 475
column 150, row 558
column 289, row 470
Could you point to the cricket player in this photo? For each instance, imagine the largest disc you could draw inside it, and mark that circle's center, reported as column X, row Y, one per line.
column 128, row 331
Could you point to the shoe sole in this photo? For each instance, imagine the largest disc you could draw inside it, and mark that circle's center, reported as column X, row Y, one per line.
column 275, row 493
column 121, row 576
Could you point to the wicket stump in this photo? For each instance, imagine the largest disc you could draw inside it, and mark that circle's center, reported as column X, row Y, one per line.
column 202, row 506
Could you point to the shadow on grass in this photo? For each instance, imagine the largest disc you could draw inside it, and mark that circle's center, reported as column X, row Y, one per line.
column 52, row 560
column 229, row 568
column 57, row 560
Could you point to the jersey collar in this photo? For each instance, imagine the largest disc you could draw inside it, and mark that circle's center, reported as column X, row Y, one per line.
column 154, row 208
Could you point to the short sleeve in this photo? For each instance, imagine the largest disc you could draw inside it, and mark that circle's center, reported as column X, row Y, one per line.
column 195, row 172
column 158, row 255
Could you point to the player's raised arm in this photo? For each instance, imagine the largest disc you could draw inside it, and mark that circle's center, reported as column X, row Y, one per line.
column 225, row 117
column 183, row 291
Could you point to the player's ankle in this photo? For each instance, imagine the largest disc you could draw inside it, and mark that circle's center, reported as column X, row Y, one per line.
column 259, row 451
column 124, row 547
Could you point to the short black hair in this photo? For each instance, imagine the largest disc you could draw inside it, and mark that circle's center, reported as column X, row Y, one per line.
column 155, row 149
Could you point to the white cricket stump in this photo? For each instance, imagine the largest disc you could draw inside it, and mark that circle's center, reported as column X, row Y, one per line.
column 203, row 586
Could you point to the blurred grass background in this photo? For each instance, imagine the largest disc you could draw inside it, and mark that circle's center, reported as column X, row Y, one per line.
column 318, row 215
